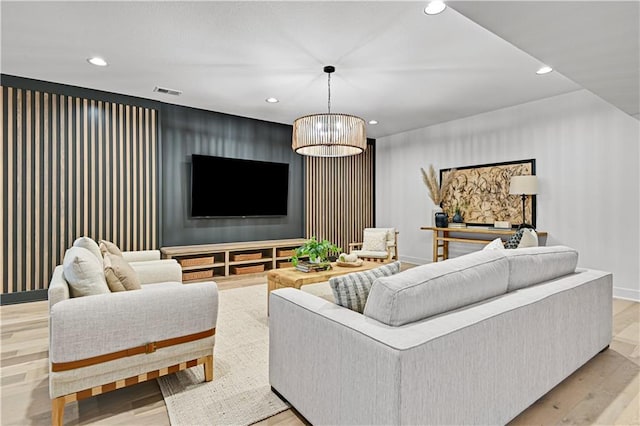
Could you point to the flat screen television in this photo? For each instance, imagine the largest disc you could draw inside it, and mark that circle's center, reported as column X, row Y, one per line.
column 230, row 187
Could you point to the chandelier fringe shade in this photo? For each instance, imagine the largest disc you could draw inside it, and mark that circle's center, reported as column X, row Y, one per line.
column 329, row 134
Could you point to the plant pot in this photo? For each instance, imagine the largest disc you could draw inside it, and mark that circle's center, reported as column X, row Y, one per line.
column 441, row 220
column 435, row 210
column 457, row 218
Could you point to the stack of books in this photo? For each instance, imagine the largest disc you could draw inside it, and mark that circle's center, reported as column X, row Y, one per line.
column 305, row 266
column 457, row 225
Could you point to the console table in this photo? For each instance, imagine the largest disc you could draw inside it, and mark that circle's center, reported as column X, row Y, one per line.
column 472, row 234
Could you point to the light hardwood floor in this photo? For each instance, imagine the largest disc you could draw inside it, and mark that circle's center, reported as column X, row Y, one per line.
column 604, row 391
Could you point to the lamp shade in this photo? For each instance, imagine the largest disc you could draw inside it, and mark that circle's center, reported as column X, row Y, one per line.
column 527, row 185
column 329, row 135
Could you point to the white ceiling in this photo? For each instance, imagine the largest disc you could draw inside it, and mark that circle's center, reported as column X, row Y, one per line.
column 394, row 64
column 594, row 43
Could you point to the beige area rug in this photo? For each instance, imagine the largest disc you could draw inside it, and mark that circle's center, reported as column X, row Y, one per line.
column 240, row 393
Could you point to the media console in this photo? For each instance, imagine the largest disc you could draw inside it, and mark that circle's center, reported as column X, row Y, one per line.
column 206, row 261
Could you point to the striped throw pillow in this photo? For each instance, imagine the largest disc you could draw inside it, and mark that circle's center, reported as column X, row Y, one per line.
column 351, row 290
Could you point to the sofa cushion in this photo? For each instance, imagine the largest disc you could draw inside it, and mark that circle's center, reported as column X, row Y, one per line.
column 119, row 274
column 352, row 290
column 109, row 247
column 529, row 266
column 373, row 254
column 374, row 240
column 84, row 273
column 89, row 244
column 435, row 288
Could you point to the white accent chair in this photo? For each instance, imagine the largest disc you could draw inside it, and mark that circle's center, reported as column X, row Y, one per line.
column 376, row 246
column 104, row 342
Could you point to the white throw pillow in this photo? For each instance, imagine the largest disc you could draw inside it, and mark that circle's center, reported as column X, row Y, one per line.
column 89, row 244
column 374, row 240
column 496, row 244
column 529, row 238
column 84, row 273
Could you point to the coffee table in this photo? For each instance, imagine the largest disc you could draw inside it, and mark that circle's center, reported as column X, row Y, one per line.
column 291, row 277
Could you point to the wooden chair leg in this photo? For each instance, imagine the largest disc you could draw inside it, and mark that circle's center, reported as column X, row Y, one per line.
column 208, row 369
column 57, row 411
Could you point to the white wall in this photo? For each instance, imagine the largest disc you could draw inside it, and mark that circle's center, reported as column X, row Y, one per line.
column 587, row 158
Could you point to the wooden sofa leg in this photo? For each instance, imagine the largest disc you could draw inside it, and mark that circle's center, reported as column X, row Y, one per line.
column 208, row 369
column 57, row 411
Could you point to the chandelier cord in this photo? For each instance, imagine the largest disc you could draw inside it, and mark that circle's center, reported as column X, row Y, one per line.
column 329, row 89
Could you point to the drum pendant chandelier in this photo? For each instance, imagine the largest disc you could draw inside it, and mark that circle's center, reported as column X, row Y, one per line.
column 330, row 134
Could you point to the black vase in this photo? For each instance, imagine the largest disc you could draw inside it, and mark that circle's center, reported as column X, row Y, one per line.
column 457, row 218
column 442, row 220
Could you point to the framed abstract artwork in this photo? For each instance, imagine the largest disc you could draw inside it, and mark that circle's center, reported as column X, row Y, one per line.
column 482, row 193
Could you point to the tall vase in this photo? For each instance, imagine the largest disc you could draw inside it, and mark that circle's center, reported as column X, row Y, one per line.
column 436, row 209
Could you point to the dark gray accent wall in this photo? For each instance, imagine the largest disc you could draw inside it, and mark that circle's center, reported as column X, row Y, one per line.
column 186, row 131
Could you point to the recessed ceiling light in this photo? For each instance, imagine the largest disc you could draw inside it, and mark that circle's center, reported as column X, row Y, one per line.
column 435, row 7
column 544, row 70
column 272, row 100
column 373, row 121
column 97, row 61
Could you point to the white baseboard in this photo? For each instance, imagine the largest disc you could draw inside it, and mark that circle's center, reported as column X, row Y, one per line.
column 626, row 293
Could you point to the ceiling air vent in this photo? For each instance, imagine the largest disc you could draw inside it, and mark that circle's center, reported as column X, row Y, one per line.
column 167, row 91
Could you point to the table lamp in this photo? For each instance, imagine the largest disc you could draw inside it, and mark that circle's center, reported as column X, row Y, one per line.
column 523, row 185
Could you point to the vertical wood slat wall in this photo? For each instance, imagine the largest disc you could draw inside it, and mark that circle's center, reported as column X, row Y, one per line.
column 339, row 197
column 71, row 167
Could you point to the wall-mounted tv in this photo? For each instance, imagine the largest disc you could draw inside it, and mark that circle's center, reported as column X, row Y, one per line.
column 230, row 187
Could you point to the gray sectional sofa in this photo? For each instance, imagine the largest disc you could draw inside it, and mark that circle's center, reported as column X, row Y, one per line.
column 472, row 340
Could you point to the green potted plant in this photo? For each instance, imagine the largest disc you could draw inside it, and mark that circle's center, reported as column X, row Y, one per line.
column 458, row 210
column 318, row 251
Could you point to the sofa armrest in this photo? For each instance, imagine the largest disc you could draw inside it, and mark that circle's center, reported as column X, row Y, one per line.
column 322, row 363
column 159, row 271
column 58, row 287
column 89, row 326
column 141, row 255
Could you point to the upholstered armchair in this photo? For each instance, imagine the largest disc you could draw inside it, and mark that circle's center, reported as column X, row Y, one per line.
column 102, row 342
column 379, row 244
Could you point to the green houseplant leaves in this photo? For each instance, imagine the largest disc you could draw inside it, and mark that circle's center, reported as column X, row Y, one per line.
column 318, row 251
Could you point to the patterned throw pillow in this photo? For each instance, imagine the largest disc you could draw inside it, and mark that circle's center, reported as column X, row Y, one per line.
column 512, row 243
column 351, row 290
column 374, row 240
column 529, row 239
column 524, row 237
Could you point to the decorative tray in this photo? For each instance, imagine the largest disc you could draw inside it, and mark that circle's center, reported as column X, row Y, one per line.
column 349, row 264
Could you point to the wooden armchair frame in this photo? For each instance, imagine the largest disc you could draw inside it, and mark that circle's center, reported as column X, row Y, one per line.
column 392, row 250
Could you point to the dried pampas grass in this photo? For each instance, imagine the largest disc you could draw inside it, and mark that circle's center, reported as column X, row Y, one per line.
column 430, row 179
